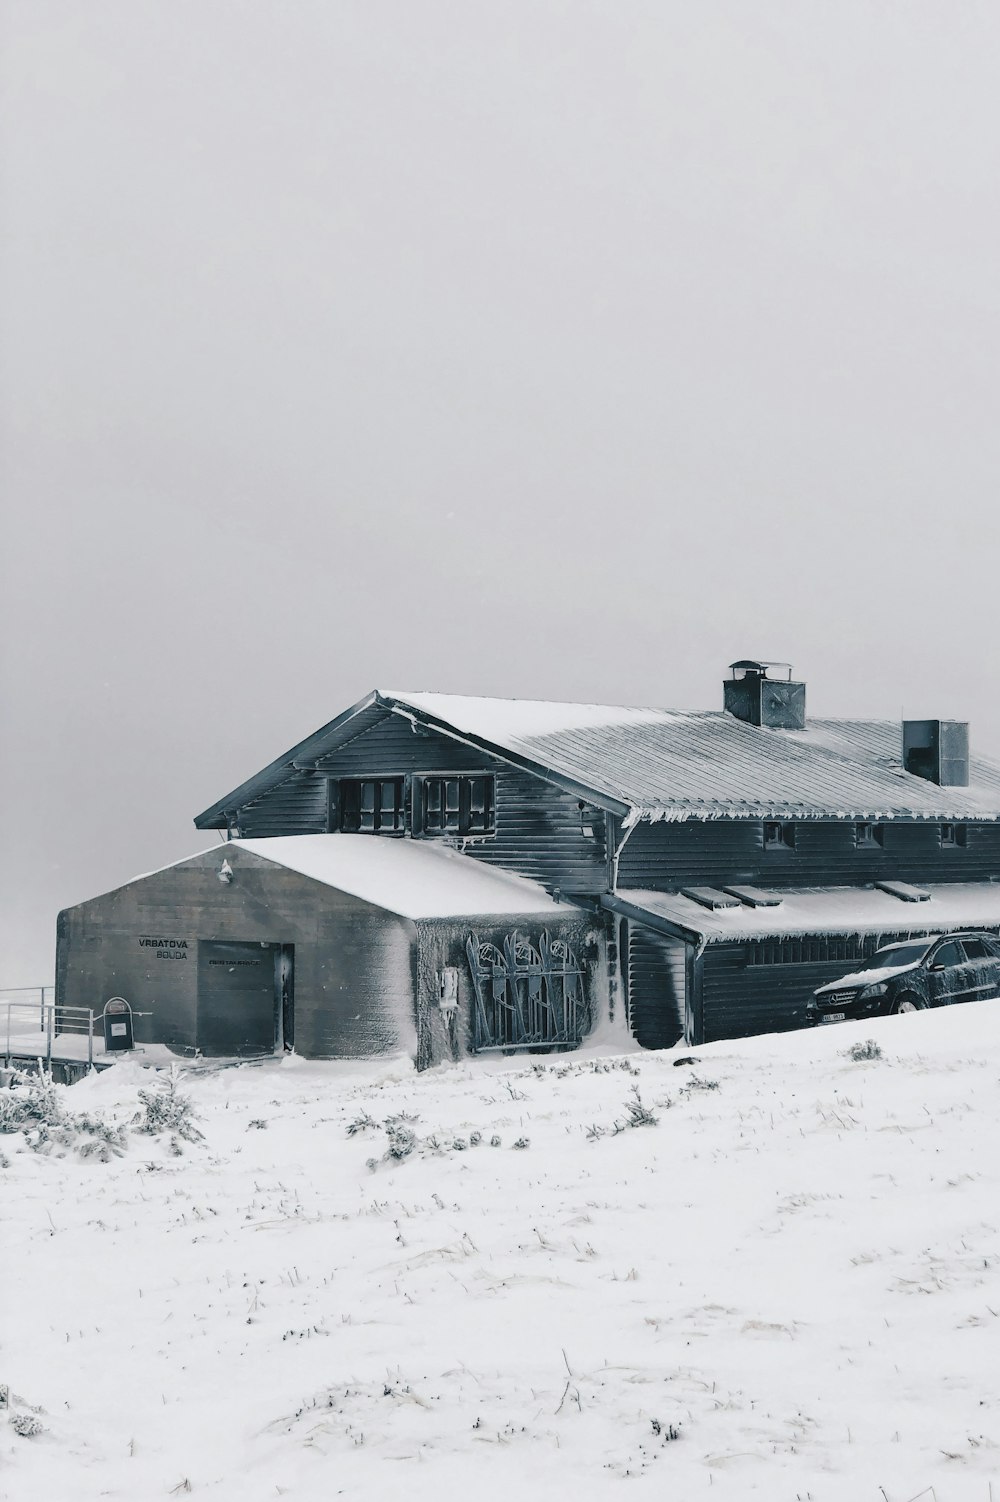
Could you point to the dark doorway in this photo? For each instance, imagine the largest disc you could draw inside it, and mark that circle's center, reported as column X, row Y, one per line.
column 284, row 959
column 239, row 997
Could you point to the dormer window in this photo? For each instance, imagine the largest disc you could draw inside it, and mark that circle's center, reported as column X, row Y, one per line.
column 778, row 836
column 869, row 836
column 457, row 805
column 370, row 805
column 954, row 836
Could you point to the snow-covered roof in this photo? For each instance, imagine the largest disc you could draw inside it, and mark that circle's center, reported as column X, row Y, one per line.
column 410, row 877
column 665, row 763
column 823, row 910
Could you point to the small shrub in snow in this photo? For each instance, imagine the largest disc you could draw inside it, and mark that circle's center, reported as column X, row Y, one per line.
column 639, row 1114
column 257, row 1124
column 4, row 1161
column 522, row 1142
column 26, row 1425
column 475, row 1138
column 30, row 1101
column 697, row 1083
column 402, row 1140
column 35, row 1108
column 165, row 1109
column 88, row 1136
column 496, row 1141
column 362, row 1123
column 865, row 1052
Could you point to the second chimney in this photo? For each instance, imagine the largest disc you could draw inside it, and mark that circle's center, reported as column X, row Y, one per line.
column 937, row 750
column 762, row 693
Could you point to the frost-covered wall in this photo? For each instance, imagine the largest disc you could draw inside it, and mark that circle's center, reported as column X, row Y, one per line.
column 354, row 975
column 442, row 944
column 667, row 855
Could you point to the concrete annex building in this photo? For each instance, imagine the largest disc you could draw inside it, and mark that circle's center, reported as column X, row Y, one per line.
column 454, row 875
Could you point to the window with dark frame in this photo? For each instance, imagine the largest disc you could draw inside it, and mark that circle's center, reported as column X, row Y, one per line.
column 953, row 836
column 458, row 805
column 370, row 805
column 778, row 836
column 869, row 836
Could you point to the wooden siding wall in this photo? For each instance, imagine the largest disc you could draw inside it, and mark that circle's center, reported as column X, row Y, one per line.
column 540, row 831
column 355, row 965
column 664, row 856
column 297, row 806
column 656, row 986
column 740, row 1000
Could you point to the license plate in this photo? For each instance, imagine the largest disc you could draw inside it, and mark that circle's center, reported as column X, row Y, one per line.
column 834, row 1017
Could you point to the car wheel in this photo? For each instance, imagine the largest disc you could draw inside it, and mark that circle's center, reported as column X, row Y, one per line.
column 909, row 1004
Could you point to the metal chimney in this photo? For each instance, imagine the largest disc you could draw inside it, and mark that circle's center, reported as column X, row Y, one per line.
column 762, row 693
column 937, row 750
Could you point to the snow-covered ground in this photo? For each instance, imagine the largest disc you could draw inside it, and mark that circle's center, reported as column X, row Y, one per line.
column 786, row 1287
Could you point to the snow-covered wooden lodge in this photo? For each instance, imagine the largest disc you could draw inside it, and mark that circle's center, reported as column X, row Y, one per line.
column 462, row 874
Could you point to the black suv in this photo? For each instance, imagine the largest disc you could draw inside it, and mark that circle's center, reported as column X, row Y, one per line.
column 907, row 977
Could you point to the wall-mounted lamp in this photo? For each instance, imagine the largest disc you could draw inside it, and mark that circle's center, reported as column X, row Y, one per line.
column 225, row 873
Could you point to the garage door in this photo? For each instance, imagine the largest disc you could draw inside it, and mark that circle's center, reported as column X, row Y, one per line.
column 237, row 998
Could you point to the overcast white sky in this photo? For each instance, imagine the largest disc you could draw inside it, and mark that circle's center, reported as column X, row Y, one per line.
column 563, row 350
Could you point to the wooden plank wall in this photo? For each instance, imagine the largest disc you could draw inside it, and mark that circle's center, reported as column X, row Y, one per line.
column 297, row 806
column 655, row 986
column 541, row 831
column 739, row 1001
column 665, row 856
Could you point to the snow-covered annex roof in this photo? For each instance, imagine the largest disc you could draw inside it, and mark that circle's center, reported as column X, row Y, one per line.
column 667, row 764
column 821, row 910
column 410, row 877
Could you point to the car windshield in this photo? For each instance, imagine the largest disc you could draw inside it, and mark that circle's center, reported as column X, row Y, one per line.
column 899, row 954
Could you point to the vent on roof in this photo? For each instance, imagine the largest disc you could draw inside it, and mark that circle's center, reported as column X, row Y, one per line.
column 904, row 891
column 754, row 897
column 762, row 693
column 709, row 897
column 937, row 750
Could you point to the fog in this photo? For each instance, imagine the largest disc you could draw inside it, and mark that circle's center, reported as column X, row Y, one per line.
column 534, row 349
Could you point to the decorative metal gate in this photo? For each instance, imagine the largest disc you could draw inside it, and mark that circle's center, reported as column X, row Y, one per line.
column 526, row 997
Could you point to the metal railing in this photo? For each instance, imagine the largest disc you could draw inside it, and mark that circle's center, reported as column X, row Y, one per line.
column 33, row 1028
column 35, row 996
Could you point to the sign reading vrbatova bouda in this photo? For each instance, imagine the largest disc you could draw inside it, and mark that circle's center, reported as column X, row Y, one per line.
column 166, row 949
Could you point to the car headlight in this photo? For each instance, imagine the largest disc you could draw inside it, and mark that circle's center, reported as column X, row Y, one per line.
column 870, row 992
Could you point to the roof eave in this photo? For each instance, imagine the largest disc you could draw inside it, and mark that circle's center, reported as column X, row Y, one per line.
column 615, row 904
column 571, row 785
column 215, row 817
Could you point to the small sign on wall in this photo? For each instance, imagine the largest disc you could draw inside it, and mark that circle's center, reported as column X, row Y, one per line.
column 448, row 989
column 117, row 1025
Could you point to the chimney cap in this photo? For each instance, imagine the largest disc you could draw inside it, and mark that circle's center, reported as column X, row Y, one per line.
column 748, row 667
